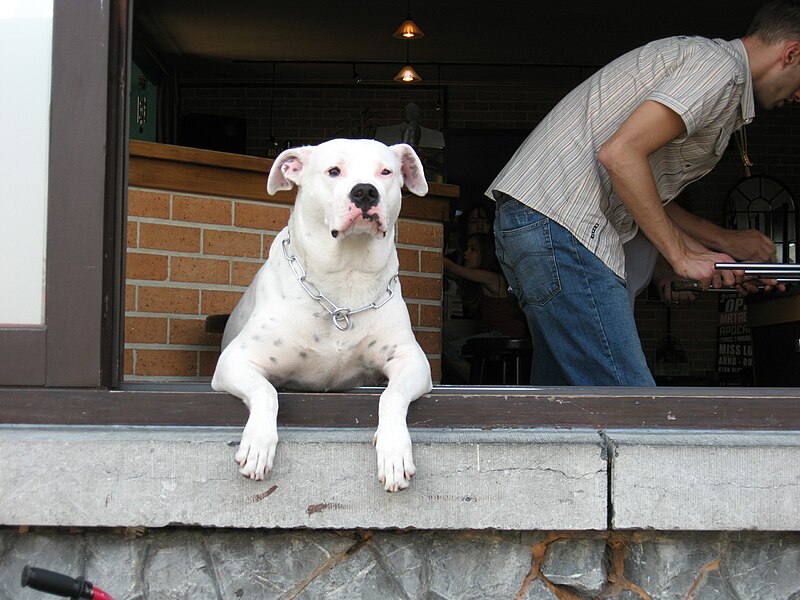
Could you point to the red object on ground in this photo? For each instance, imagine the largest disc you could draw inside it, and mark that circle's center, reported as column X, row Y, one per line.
column 98, row 594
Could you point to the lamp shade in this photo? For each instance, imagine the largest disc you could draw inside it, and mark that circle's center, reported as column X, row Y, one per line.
column 408, row 30
column 407, row 75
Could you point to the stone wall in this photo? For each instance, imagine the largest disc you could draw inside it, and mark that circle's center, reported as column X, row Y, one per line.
column 162, row 513
column 171, row 564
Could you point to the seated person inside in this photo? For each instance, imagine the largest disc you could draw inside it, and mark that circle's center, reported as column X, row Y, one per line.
column 490, row 309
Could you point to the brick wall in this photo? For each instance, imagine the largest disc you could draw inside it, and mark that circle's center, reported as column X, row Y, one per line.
column 190, row 256
column 310, row 115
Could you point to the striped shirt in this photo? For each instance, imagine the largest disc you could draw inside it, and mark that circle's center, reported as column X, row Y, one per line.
column 555, row 170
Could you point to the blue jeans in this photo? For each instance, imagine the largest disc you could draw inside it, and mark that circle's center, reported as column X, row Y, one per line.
column 577, row 308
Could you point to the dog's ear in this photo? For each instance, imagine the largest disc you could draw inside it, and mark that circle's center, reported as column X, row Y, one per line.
column 411, row 167
column 287, row 168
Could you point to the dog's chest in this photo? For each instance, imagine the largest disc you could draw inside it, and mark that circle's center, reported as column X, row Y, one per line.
column 312, row 354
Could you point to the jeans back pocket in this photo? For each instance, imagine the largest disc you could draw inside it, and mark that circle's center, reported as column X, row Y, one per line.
column 525, row 251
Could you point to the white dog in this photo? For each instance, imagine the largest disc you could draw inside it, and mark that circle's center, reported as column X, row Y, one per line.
column 325, row 311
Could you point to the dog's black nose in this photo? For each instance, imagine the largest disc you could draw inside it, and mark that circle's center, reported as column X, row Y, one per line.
column 364, row 196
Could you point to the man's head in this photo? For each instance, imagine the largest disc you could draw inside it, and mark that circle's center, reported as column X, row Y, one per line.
column 777, row 21
column 773, row 43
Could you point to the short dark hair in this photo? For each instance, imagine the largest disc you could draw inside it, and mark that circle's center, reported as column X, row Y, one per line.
column 777, row 21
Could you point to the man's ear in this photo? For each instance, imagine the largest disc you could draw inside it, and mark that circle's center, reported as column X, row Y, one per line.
column 791, row 52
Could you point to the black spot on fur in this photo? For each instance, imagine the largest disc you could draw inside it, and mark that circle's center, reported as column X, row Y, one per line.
column 273, row 360
column 278, row 342
column 304, row 355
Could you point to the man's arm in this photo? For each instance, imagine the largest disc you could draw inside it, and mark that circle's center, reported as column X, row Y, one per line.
column 746, row 244
column 625, row 157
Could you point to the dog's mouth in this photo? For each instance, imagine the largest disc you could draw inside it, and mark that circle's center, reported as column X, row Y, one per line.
column 359, row 220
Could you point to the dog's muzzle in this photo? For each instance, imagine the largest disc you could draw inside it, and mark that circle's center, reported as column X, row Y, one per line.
column 365, row 200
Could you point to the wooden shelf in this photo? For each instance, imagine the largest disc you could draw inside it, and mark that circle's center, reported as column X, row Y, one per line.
column 207, row 172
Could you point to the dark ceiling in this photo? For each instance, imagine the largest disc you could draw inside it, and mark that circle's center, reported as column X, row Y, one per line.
column 333, row 41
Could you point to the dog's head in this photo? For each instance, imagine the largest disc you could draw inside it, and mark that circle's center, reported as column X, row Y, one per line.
column 349, row 185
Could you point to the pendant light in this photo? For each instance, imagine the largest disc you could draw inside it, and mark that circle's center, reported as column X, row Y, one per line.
column 407, row 75
column 408, row 31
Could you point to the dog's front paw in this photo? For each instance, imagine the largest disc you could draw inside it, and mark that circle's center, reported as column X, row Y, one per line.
column 257, row 451
column 395, row 461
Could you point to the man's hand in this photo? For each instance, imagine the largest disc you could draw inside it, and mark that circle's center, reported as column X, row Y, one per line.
column 702, row 236
column 748, row 245
column 663, row 278
column 695, row 262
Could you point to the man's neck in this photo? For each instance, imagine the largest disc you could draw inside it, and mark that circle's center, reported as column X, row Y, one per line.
column 761, row 56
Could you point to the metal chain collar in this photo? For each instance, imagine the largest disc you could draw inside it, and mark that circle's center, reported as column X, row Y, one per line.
column 340, row 315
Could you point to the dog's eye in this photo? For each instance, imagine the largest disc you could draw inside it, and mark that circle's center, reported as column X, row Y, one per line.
column 334, row 171
column 386, row 172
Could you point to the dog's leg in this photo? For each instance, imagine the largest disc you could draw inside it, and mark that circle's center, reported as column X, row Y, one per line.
column 409, row 378
column 260, row 437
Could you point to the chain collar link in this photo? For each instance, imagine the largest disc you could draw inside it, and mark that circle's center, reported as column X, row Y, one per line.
column 339, row 315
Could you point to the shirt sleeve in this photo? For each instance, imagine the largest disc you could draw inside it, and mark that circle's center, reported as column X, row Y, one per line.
column 699, row 87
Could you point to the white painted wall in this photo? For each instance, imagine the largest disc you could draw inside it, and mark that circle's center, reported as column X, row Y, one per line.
column 25, row 65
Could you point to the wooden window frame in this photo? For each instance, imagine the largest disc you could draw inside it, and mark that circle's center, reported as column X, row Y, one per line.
column 68, row 371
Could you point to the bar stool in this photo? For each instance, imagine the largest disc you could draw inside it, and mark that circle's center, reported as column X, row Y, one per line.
column 499, row 360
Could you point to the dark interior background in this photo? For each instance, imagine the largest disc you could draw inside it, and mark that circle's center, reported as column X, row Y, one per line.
column 208, row 39
column 251, row 76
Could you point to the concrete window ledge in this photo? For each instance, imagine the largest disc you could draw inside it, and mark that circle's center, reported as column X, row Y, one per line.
column 705, row 480
column 322, row 479
column 326, row 478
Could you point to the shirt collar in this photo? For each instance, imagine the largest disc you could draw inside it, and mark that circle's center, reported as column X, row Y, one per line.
column 737, row 48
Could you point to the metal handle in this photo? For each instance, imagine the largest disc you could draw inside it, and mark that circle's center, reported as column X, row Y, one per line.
column 785, row 273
